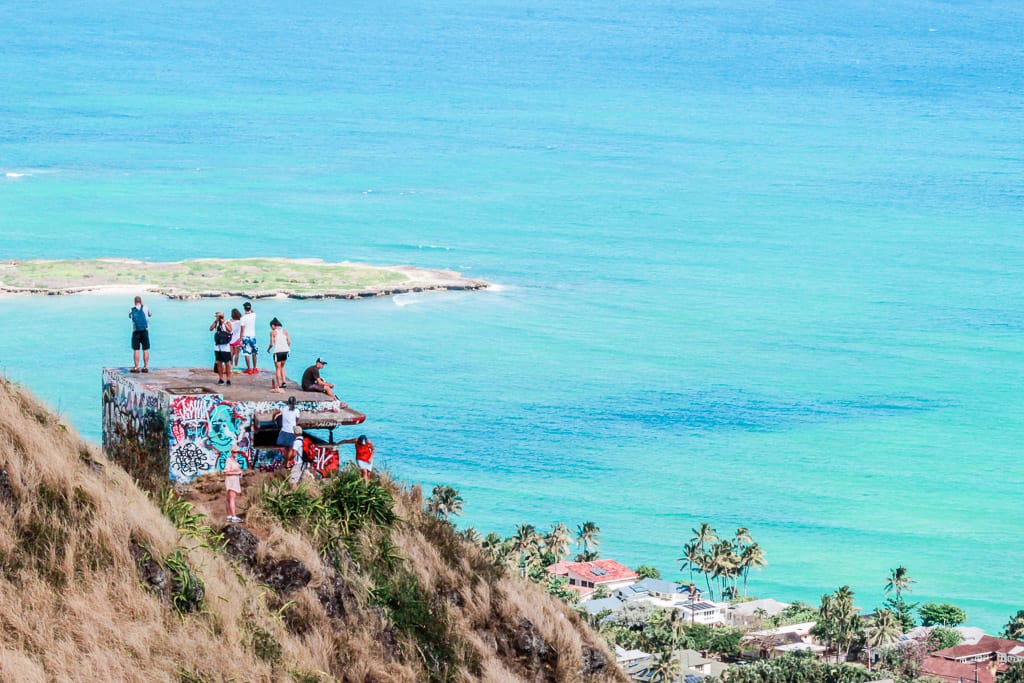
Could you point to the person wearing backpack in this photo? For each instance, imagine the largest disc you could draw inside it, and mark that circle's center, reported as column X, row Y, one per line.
column 221, row 329
column 140, row 316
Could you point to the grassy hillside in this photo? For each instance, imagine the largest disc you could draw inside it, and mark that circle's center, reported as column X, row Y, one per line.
column 100, row 580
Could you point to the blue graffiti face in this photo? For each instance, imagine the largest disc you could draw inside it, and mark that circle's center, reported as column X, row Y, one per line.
column 224, row 427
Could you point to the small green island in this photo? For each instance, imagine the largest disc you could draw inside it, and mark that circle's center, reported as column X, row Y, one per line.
column 254, row 278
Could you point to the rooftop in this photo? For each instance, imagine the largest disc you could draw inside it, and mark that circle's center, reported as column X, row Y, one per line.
column 986, row 645
column 600, row 571
column 749, row 608
column 644, row 586
column 317, row 410
column 950, row 670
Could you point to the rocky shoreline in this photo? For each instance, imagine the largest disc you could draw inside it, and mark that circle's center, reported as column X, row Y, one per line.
column 467, row 286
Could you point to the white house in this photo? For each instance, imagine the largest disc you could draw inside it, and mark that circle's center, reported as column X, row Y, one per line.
column 702, row 611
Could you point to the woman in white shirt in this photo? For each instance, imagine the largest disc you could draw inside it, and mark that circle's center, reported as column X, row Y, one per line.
column 280, row 345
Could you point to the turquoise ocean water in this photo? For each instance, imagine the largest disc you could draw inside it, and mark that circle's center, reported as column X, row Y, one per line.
column 760, row 262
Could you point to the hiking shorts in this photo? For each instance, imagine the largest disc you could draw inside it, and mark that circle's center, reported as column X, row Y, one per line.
column 140, row 340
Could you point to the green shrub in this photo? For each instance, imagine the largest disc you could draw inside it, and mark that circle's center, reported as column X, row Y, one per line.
column 187, row 521
column 188, row 591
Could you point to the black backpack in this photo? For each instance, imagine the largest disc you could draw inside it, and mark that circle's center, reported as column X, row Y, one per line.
column 221, row 336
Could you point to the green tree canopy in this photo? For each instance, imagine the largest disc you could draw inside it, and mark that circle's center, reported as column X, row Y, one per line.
column 445, row 502
column 1013, row 674
column 942, row 637
column 941, row 614
column 645, row 571
column 1014, row 628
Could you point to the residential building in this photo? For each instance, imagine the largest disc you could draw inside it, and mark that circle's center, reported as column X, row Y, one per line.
column 988, row 648
column 595, row 607
column 773, row 642
column 586, row 577
column 653, row 588
column 702, row 612
column 979, row 661
column 754, row 611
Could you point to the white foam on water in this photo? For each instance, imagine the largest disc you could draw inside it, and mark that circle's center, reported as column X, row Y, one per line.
column 403, row 300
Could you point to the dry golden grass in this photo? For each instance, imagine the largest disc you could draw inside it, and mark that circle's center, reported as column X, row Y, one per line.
column 74, row 607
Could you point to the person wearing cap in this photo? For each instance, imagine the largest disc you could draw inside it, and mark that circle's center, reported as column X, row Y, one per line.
column 312, row 381
column 364, row 455
column 300, row 463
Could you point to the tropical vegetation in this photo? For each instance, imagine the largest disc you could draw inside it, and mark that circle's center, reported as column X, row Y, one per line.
column 941, row 614
column 899, row 582
column 795, row 668
column 725, row 561
column 1014, row 628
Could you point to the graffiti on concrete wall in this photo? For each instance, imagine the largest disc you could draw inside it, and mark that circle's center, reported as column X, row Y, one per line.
column 323, row 457
column 134, row 424
column 202, row 431
column 158, row 436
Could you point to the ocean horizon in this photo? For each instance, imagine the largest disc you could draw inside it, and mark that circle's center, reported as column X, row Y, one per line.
column 758, row 264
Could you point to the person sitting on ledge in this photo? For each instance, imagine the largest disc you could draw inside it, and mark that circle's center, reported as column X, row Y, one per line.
column 312, row 381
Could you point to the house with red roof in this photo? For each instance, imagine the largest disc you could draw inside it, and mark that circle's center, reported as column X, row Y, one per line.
column 952, row 670
column 585, row 577
column 982, row 659
column 987, row 648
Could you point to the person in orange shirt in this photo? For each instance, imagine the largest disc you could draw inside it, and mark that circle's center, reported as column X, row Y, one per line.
column 364, row 455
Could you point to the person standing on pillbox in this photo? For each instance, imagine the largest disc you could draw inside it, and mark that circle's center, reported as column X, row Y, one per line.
column 140, row 316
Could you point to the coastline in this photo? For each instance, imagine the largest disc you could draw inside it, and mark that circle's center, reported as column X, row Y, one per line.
column 307, row 278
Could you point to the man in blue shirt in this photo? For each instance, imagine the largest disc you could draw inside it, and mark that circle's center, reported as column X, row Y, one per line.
column 140, row 316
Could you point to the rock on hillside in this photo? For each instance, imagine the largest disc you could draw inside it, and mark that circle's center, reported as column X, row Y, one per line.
column 100, row 580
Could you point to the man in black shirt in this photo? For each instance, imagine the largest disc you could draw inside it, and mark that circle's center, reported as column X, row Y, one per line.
column 312, row 381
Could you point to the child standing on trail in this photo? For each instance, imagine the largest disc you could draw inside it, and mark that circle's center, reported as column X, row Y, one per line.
column 232, row 484
column 364, row 455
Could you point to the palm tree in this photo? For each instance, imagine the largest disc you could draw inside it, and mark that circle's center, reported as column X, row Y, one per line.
column 1014, row 629
column 742, row 539
column 665, row 668
column 586, row 537
column 471, row 535
column 704, row 535
column 557, row 541
column 839, row 622
column 526, row 544
column 885, row 629
column 899, row 581
column 445, row 502
column 752, row 558
column 691, row 559
column 723, row 565
column 496, row 548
